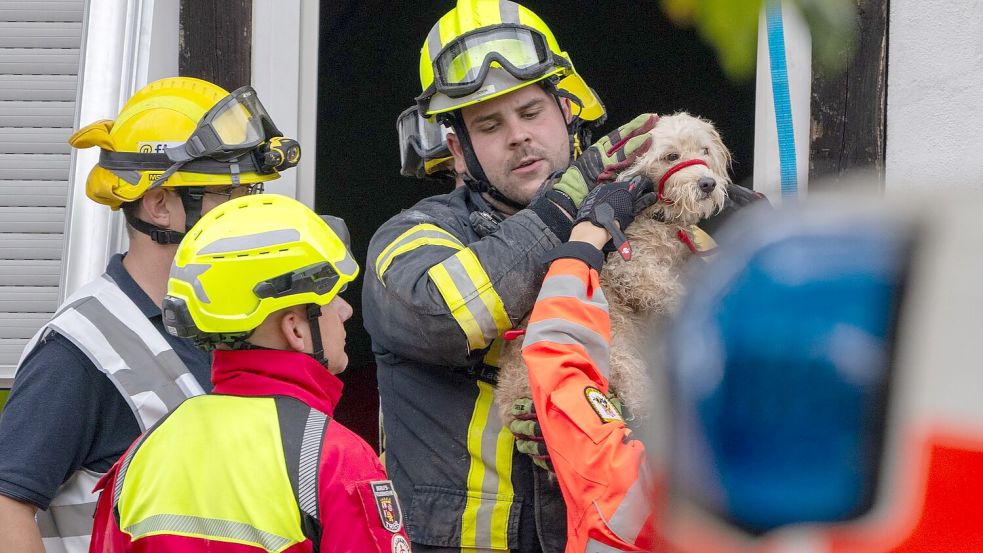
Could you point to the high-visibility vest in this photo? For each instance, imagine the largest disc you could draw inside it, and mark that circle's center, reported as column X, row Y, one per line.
column 226, row 468
column 105, row 324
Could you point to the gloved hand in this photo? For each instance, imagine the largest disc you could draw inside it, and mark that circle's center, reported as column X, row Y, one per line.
column 528, row 435
column 617, row 201
column 737, row 198
column 607, row 157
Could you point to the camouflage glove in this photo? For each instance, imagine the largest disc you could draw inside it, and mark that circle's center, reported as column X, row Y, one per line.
column 528, row 434
column 606, row 158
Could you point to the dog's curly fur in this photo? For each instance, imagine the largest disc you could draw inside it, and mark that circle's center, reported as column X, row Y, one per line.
column 645, row 290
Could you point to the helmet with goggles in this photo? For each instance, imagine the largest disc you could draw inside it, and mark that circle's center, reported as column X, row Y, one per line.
column 183, row 133
column 423, row 147
column 484, row 49
column 248, row 258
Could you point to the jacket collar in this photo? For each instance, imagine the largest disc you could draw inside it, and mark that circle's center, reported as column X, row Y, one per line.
column 276, row 373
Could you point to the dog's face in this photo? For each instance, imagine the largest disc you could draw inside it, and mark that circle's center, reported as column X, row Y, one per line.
column 697, row 191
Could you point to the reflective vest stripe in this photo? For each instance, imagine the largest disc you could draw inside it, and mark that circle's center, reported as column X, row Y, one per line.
column 484, row 522
column 201, row 526
column 562, row 331
column 415, row 237
column 471, row 298
column 123, row 344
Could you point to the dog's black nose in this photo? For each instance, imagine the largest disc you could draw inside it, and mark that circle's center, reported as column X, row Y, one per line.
column 706, row 184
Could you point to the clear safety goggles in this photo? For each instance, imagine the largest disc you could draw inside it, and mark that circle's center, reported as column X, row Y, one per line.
column 420, row 140
column 461, row 67
column 319, row 278
column 236, row 124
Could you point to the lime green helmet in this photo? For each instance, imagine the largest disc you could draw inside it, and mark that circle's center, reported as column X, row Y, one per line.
column 483, row 49
column 248, row 258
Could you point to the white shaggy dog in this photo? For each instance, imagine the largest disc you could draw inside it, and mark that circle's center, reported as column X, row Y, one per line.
column 691, row 162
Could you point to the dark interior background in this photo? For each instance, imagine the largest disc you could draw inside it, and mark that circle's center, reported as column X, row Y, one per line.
column 368, row 73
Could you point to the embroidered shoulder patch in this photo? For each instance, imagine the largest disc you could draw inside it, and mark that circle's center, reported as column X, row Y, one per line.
column 400, row 545
column 386, row 503
column 600, row 404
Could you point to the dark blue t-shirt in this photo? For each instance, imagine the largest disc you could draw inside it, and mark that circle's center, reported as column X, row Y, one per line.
column 63, row 414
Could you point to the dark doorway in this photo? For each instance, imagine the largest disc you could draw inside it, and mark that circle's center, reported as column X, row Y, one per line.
column 368, row 73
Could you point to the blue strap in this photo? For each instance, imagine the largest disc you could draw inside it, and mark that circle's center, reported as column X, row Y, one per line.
column 783, row 105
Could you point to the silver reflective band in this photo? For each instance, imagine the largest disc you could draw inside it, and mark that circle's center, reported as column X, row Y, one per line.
column 124, row 345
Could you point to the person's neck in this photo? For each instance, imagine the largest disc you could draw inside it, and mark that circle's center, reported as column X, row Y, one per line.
column 149, row 264
column 498, row 206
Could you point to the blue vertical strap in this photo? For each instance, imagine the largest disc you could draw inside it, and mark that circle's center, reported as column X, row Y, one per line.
column 783, row 104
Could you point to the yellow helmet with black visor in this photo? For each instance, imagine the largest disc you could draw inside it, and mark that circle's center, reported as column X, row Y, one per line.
column 483, row 49
column 186, row 134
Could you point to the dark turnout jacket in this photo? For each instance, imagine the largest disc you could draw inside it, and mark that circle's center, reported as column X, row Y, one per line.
column 443, row 282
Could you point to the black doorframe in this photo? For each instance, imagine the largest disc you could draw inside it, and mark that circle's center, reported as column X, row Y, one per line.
column 368, row 73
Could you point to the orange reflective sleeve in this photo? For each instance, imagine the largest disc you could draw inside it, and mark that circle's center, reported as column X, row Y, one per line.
column 600, row 468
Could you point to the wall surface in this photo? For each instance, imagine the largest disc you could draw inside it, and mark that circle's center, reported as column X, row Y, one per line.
column 935, row 94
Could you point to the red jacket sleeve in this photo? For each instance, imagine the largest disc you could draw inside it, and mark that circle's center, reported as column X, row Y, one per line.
column 601, row 469
column 359, row 508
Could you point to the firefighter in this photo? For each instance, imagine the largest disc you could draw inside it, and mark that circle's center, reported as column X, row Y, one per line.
column 103, row 369
column 258, row 464
column 448, row 276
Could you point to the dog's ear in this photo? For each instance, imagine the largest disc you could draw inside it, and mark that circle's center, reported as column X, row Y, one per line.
column 720, row 158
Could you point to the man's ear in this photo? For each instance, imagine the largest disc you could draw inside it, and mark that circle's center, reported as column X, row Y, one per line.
column 567, row 112
column 454, row 145
column 294, row 329
column 155, row 208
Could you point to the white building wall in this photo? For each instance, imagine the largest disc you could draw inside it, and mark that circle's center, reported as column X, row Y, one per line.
column 935, row 94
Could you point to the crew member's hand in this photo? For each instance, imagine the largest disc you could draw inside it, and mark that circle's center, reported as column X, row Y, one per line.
column 528, row 434
column 617, row 202
column 607, row 157
column 738, row 197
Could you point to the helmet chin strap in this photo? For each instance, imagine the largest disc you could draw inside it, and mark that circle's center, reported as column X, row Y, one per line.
column 313, row 314
column 476, row 179
column 191, row 197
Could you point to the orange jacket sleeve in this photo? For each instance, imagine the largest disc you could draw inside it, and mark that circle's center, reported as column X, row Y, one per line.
column 601, row 468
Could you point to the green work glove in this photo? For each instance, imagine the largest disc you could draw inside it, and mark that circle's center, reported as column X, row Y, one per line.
column 607, row 157
column 528, row 434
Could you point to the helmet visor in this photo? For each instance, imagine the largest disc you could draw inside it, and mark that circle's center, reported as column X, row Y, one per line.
column 236, row 124
column 420, row 140
column 320, row 278
column 461, row 67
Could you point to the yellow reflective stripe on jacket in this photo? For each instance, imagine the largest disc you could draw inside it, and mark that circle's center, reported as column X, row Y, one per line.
column 484, row 523
column 417, row 236
column 172, row 498
column 471, row 298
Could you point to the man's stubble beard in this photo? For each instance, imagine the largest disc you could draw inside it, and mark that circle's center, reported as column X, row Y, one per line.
column 525, row 191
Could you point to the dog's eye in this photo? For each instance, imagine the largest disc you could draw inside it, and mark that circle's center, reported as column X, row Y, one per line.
column 706, row 151
column 671, row 156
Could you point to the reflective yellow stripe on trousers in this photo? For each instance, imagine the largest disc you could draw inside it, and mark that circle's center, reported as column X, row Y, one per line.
column 484, row 524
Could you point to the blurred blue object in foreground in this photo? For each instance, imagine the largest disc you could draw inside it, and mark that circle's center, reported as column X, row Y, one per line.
column 780, row 363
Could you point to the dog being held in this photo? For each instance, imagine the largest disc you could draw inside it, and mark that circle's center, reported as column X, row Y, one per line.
column 688, row 163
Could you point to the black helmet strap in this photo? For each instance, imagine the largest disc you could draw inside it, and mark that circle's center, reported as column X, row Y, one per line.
column 191, row 197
